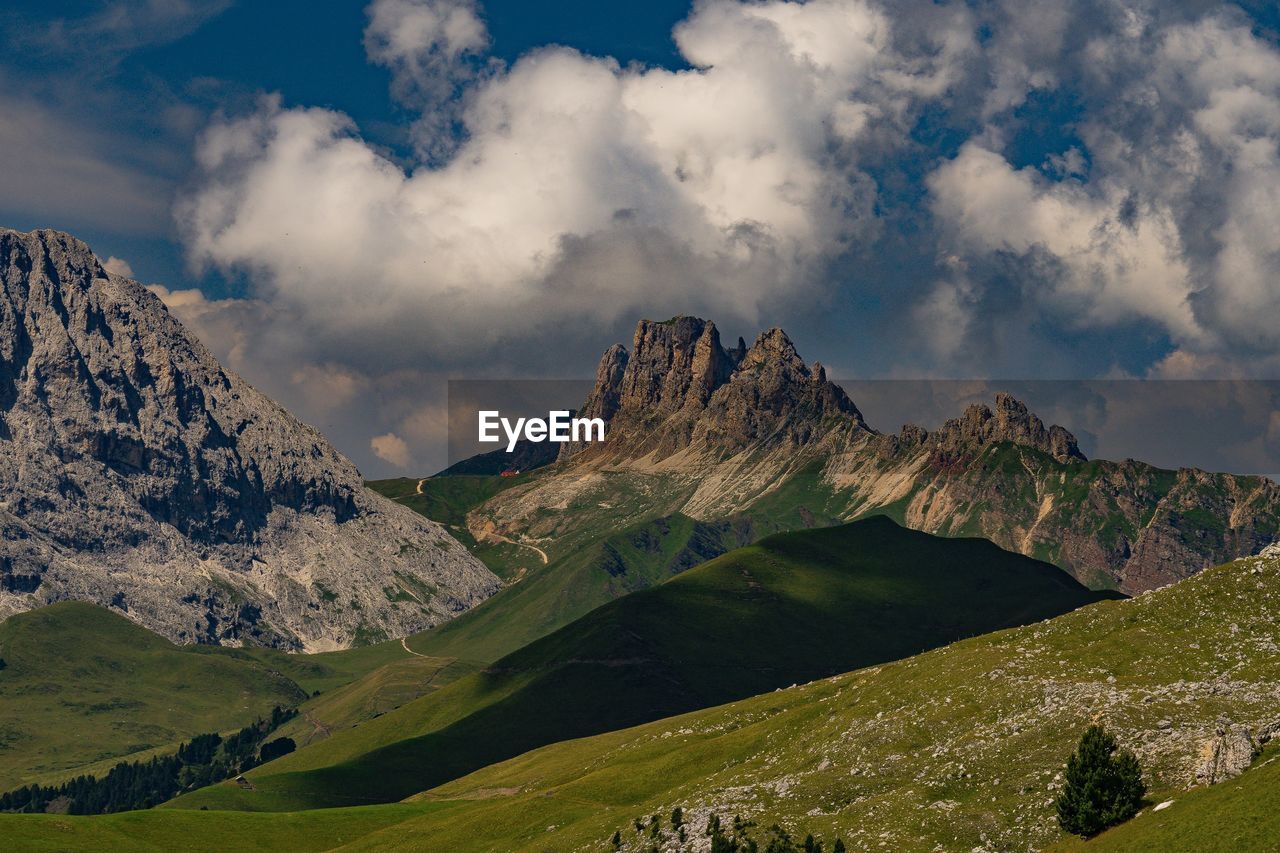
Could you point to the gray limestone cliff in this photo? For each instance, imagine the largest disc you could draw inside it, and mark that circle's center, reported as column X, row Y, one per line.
column 137, row 473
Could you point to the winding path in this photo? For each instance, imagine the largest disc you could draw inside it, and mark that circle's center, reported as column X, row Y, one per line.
column 509, row 541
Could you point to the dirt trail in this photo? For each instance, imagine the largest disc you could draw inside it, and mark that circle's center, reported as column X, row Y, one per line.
column 405, row 645
column 420, row 482
column 321, row 728
column 510, row 541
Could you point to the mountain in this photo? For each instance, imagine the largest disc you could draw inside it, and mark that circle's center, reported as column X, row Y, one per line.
column 793, row 607
column 958, row 748
column 139, row 474
column 716, row 433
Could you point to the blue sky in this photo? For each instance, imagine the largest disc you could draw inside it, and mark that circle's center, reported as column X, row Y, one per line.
column 350, row 207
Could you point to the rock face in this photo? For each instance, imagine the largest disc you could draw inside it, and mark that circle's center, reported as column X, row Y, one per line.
column 681, row 387
column 1010, row 422
column 1225, row 756
column 716, row 433
column 138, row 474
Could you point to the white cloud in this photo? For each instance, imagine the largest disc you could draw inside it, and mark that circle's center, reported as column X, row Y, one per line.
column 1171, row 221
column 1114, row 265
column 424, row 43
column 391, row 448
column 583, row 191
column 118, row 266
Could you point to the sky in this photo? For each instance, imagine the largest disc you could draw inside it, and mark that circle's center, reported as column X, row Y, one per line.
column 352, row 206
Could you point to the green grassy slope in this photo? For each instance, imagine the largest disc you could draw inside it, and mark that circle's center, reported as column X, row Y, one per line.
column 957, row 748
column 84, row 688
column 82, row 684
column 793, row 607
column 575, row 582
column 214, row 832
column 954, row 749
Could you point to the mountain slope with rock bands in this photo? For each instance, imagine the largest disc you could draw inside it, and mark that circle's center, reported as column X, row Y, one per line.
column 137, row 473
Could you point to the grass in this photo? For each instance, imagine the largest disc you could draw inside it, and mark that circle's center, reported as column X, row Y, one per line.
column 793, row 607
column 198, row 832
column 956, row 748
column 83, row 685
column 576, row 581
column 84, row 688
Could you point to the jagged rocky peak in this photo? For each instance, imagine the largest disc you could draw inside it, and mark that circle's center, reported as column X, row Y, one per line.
column 773, row 379
column 674, row 365
column 679, row 376
column 1010, row 421
column 136, row 473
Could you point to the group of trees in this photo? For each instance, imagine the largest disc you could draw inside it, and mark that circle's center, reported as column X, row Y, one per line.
column 201, row 761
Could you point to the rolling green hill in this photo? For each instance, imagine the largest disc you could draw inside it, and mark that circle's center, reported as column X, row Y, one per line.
column 82, row 687
column 544, row 597
column 793, row 607
column 81, row 684
column 955, row 749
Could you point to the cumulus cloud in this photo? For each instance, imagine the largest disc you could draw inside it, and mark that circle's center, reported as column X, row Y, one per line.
column 1166, row 218
column 582, row 191
column 391, row 448
column 425, row 44
column 1106, row 259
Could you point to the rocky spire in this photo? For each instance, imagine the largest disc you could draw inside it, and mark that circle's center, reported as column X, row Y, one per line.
column 674, row 365
column 605, row 396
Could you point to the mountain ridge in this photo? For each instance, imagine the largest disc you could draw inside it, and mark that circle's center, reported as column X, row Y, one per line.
column 712, row 433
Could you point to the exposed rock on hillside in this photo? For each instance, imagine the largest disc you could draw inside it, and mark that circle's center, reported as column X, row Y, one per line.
column 138, row 474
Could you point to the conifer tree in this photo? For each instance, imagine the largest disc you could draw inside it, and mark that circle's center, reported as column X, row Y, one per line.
column 1103, row 785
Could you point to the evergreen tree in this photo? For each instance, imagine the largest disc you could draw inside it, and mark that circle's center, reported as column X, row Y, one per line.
column 617, row 840
column 1103, row 787
column 838, row 847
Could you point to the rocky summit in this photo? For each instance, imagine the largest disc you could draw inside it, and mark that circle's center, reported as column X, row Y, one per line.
column 718, row 433
column 137, row 473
